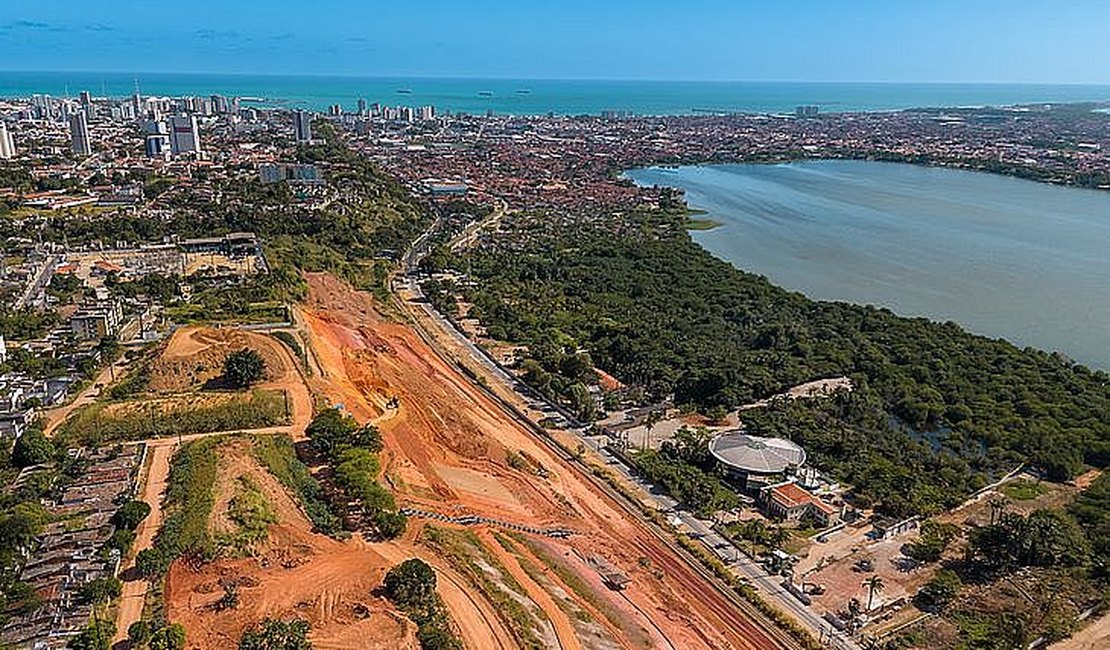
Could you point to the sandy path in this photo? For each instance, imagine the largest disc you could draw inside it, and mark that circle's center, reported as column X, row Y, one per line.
column 56, row 416
column 1095, row 636
column 134, row 589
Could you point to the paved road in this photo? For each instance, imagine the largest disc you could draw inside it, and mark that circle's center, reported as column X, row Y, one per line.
column 408, row 289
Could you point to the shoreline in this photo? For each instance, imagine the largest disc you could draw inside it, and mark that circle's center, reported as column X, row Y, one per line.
column 930, row 312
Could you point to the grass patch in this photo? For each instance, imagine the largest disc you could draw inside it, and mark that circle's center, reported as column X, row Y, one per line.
column 189, row 501
column 278, row 455
column 252, row 513
column 100, row 423
column 460, row 548
column 533, row 571
column 294, row 345
column 1023, row 489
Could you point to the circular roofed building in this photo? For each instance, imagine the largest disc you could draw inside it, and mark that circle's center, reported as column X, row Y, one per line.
column 754, row 460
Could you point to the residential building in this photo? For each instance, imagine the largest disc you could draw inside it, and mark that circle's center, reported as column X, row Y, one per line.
column 94, row 322
column 7, row 145
column 302, row 126
column 79, row 133
column 184, row 135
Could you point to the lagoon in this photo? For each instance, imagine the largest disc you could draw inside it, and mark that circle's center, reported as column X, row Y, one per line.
column 1001, row 256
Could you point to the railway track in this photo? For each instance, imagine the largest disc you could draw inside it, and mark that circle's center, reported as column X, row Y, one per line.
column 730, row 608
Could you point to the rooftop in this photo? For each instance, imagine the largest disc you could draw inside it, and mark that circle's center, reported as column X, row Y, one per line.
column 755, row 454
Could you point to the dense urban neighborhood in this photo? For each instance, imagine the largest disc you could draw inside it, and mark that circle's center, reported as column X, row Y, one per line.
column 387, row 376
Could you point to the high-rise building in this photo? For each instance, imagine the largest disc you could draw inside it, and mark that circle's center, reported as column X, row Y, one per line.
column 427, row 113
column 157, row 145
column 86, row 98
column 361, row 106
column 302, row 126
column 7, row 145
column 184, row 134
column 79, row 133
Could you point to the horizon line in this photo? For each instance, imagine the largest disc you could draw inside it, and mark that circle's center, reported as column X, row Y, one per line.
column 325, row 75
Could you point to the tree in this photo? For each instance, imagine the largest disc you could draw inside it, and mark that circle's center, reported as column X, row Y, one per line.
column 131, row 514
column 874, row 585
column 171, row 637
column 32, row 448
column 149, row 563
column 96, row 636
column 138, row 633
column 410, row 584
column 100, row 590
column 330, row 431
column 243, row 368
column 273, row 634
column 390, row 525
column 941, row 590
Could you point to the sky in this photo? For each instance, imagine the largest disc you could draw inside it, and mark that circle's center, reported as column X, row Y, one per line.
column 1037, row 41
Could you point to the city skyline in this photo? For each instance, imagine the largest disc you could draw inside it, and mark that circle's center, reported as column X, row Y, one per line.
column 983, row 41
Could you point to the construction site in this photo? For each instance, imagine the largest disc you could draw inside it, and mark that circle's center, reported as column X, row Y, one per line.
column 529, row 550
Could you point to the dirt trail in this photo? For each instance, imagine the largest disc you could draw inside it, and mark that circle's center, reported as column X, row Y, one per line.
column 134, row 590
column 448, row 443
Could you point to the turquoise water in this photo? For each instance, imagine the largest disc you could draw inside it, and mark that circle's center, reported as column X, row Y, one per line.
column 516, row 96
column 1003, row 257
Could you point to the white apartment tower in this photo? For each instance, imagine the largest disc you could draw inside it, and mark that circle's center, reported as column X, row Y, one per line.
column 7, row 145
column 79, row 133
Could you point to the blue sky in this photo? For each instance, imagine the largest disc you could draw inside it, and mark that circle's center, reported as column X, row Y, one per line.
column 1044, row 41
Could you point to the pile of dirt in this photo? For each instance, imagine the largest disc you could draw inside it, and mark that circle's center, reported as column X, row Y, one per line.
column 193, row 357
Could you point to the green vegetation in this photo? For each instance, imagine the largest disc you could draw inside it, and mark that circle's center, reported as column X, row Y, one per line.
column 1023, row 489
column 169, row 637
column 252, row 513
column 294, row 345
column 96, row 636
column 1045, row 538
column 940, row 591
column 131, row 514
column 491, row 578
column 32, row 448
column 188, row 503
column 684, row 467
column 27, row 323
column 100, row 423
column 411, row 586
column 702, row 224
column 278, row 456
column 934, row 540
column 352, row 452
column 1091, row 510
column 273, row 634
column 243, row 368
column 935, row 412
column 100, row 590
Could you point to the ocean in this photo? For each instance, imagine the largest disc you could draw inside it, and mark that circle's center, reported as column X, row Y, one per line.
column 537, row 97
column 1001, row 256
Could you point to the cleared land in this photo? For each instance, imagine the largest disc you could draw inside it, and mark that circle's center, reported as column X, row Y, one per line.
column 446, row 450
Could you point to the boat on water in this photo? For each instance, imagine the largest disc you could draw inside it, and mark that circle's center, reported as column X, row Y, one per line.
column 404, row 91
column 524, row 91
column 485, row 93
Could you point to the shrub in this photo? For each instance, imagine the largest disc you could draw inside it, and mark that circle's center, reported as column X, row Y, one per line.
column 131, row 514
column 243, row 368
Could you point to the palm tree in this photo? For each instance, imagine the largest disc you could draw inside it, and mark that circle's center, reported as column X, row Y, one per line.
column 874, row 585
